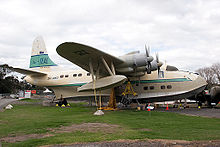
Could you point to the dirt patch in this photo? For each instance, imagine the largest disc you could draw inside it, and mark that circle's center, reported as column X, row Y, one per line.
column 1, row 122
column 87, row 127
column 184, row 143
column 109, row 128
column 13, row 139
column 140, row 143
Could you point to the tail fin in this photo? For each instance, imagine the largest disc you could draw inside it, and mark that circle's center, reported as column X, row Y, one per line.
column 39, row 56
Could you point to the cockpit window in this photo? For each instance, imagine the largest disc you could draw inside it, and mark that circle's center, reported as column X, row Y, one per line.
column 171, row 68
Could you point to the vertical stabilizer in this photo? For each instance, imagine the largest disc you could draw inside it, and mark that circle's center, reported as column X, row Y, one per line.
column 39, row 56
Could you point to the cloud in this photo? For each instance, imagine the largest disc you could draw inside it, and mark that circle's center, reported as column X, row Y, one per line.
column 186, row 34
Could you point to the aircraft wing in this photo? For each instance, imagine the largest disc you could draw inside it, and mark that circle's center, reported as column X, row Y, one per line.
column 28, row 72
column 81, row 55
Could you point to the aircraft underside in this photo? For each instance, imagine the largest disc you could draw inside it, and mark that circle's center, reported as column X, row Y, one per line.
column 168, row 97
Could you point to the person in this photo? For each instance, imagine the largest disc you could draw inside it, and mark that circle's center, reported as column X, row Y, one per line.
column 62, row 102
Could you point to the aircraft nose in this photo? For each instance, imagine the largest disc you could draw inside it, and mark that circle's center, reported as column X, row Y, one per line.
column 202, row 80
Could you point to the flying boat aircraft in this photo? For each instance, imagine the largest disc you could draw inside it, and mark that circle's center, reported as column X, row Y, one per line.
column 146, row 79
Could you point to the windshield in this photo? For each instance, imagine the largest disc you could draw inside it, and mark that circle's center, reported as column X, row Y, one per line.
column 171, row 68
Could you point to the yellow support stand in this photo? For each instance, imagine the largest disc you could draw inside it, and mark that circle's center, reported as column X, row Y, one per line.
column 112, row 99
column 112, row 102
column 129, row 90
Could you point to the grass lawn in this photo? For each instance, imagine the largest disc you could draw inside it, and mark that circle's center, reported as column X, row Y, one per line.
column 36, row 119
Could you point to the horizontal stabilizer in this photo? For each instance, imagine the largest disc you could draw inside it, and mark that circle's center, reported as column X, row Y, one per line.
column 103, row 83
column 28, row 72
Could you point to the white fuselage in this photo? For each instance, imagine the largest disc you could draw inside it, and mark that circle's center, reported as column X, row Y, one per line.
column 168, row 86
column 64, row 83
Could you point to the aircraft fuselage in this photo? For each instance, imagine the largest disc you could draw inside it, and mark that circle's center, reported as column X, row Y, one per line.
column 170, row 85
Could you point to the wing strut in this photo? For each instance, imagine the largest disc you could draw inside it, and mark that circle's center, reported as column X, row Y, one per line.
column 113, row 68
column 107, row 67
column 103, row 82
column 91, row 70
column 93, row 80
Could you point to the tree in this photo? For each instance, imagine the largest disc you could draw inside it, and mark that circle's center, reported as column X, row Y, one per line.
column 4, row 70
column 216, row 69
column 10, row 83
column 210, row 74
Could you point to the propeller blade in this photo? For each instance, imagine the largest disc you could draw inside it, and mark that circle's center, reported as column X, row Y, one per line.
column 159, row 63
column 147, row 51
column 157, row 57
column 149, row 59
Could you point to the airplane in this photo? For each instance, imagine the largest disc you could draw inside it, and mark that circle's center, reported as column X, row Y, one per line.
column 149, row 79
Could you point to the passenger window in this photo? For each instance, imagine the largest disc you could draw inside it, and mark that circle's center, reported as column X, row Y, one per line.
column 66, row 76
column 151, row 87
column 146, row 88
column 88, row 74
column 79, row 75
column 162, row 87
column 74, row 75
column 169, row 86
column 61, row 76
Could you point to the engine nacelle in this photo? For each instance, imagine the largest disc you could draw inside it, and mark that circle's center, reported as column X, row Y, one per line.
column 135, row 60
column 138, row 74
column 215, row 94
column 127, row 70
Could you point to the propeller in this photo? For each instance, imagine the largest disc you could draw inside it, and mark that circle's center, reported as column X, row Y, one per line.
column 147, row 49
column 159, row 63
column 149, row 59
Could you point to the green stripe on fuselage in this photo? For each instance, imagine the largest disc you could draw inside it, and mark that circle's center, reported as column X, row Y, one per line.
column 68, row 85
column 133, row 82
column 162, row 80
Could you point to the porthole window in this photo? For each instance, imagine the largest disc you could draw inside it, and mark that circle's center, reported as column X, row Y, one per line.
column 169, row 86
column 74, row 75
column 61, row 76
column 162, row 87
column 79, row 75
column 146, row 88
column 88, row 74
column 66, row 76
column 151, row 87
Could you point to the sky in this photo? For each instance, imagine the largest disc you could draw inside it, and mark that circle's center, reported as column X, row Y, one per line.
column 185, row 33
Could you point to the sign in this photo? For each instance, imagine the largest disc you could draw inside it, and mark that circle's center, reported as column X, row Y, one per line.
column 27, row 94
column 33, row 91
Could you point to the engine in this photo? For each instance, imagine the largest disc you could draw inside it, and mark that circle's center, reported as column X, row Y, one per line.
column 214, row 95
column 137, row 63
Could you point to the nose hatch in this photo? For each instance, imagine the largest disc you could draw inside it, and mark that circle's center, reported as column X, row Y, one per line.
column 202, row 81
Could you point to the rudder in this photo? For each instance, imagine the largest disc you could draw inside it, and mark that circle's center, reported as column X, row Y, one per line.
column 39, row 56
